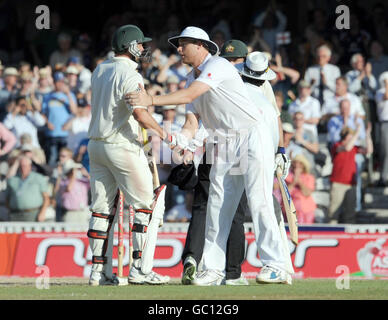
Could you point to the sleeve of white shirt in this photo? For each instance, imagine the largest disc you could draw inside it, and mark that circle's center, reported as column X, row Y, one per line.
column 335, row 73
column 130, row 85
column 37, row 118
column 269, row 94
column 215, row 72
column 316, row 109
column 358, row 106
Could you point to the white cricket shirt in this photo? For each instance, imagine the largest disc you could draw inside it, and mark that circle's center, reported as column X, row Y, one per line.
column 267, row 90
column 226, row 106
column 112, row 119
column 269, row 112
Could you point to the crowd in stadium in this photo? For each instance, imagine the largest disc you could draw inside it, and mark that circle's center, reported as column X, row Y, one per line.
column 331, row 88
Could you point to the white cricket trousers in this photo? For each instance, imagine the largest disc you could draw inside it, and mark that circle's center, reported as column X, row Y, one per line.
column 121, row 165
column 254, row 155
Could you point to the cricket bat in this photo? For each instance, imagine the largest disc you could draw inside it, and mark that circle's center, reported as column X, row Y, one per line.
column 131, row 217
column 121, row 235
column 289, row 207
column 152, row 164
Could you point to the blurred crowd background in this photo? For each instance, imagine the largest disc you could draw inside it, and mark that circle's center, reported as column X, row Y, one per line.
column 331, row 88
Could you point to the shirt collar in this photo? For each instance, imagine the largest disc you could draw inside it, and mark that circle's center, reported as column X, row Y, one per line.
column 202, row 65
column 130, row 62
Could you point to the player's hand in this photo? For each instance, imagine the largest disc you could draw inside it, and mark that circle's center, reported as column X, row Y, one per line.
column 188, row 157
column 178, row 140
column 283, row 162
column 140, row 97
column 50, row 126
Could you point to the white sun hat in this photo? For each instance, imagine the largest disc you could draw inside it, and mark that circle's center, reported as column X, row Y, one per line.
column 256, row 66
column 198, row 34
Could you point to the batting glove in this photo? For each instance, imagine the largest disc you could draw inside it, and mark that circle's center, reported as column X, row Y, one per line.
column 193, row 145
column 177, row 140
column 283, row 162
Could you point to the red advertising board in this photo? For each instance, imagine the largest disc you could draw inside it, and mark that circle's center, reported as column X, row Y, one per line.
column 318, row 254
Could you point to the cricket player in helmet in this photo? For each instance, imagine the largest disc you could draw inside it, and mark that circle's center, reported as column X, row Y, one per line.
column 118, row 161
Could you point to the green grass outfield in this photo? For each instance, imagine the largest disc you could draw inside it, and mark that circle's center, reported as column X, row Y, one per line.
column 69, row 289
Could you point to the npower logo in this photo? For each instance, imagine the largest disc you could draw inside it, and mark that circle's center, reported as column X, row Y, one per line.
column 174, row 246
column 85, row 262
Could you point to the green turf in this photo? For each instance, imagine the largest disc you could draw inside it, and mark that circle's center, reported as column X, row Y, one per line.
column 301, row 289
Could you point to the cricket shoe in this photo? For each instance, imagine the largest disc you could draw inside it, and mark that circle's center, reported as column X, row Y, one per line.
column 98, row 278
column 189, row 270
column 237, row 282
column 209, row 278
column 271, row 274
column 136, row 276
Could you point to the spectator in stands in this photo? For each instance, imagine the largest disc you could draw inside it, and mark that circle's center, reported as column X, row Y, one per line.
column 84, row 46
column 9, row 141
column 174, row 66
column 172, row 85
column 35, row 153
column 305, row 139
column 286, row 77
column 345, row 118
column 284, row 115
column 28, row 88
column 57, row 107
column 149, row 71
column 378, row 60
column 65, row 154
column 301, row 184
column 308, row 105
column 363, row 83
column 382, row 112
column 78, row 125
column 361, row 77
column 64, row 52
column 72, row 79
column 332, row 105
column 257, row 43
column 9, row 91
column 334, row 127
column 323, row 75
column 271, row 22
column 72, row 190
column 343, row 178
column 291, row 147
column 181, row 212
column 24, row 118
column 84, row 80
column 27, row 193
column 45, row 83
column 82, row 155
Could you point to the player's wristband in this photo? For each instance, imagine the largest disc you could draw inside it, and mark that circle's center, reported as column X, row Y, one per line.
column 281, row 150
column 170, row 140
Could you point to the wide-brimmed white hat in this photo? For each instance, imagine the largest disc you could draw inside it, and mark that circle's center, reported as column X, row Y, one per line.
column 198, row 34
column 11, row 71
column 256, row 66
